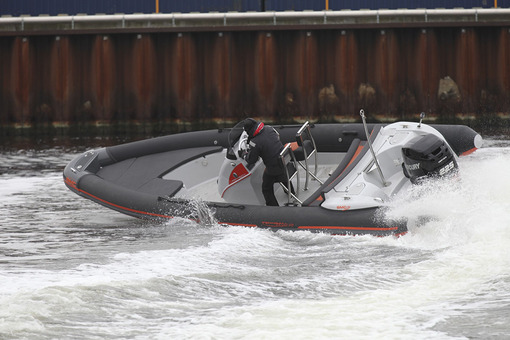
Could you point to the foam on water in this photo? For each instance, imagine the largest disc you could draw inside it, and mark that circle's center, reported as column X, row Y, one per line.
column 469, row 236
column 449, row 277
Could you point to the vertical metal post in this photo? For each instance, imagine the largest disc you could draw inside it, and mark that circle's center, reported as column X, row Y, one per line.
column 362, row 114
column 157, row 6
column 422, row 115
column 327, row 5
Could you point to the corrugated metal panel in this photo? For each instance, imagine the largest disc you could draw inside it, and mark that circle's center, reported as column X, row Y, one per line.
column 295, row 5
column 280, row 75
column 396, row 4
column 73, row 7
column 169, row 6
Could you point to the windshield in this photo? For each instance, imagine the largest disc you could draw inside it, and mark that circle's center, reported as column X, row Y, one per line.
column 236, row 132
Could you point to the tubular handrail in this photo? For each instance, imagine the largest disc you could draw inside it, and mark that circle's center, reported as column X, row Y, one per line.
column 287, row 159
column 305, row 128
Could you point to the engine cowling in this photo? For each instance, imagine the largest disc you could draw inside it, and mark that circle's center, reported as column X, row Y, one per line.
column 428, row 156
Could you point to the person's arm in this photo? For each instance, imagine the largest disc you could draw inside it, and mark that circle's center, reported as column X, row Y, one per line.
column 253, row 154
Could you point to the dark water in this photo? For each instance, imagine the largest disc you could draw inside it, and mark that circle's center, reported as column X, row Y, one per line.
column 70, row 269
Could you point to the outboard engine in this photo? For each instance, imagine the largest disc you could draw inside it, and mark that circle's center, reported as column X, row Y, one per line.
column 428, row 156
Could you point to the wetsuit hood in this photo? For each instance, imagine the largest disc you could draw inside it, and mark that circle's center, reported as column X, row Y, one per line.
column 252, row 127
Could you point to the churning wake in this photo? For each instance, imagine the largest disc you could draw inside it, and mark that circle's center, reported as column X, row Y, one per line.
column 71, row 269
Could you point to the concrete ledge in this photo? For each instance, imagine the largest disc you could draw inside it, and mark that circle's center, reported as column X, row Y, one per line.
column 245, row 20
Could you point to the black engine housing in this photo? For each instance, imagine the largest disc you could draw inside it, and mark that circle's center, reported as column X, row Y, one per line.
column 428, row 156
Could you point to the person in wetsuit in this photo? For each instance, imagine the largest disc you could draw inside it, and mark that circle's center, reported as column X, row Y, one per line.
column 265, row 142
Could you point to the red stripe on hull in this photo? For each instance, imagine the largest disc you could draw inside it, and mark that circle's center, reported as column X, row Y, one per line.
column 72, row 185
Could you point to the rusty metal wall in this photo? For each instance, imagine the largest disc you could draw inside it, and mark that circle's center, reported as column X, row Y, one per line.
column 281, row 75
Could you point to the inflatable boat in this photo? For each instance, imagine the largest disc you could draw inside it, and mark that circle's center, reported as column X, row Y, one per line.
column 342, row 175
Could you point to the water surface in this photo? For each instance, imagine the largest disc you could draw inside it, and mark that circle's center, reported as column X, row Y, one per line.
column 72, row 269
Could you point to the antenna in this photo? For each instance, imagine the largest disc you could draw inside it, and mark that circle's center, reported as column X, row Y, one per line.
column 422, row 115
column 362, row 114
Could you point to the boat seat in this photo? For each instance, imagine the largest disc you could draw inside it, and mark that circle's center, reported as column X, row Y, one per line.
column 354, row 154
column 289, row 163
column 134, row 173
column 305, row 150
column 162, row 187
column 353, row 151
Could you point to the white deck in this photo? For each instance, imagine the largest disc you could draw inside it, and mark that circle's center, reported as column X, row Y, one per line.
column 201, row 176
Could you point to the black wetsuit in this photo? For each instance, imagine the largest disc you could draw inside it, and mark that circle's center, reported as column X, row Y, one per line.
column 267, row 145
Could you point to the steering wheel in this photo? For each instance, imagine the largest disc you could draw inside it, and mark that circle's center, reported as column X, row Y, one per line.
column 242, row 145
